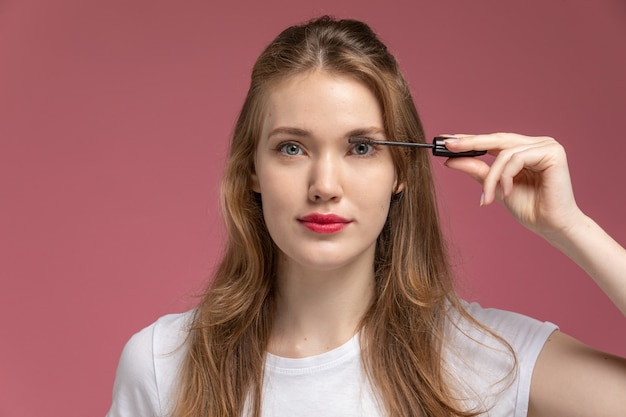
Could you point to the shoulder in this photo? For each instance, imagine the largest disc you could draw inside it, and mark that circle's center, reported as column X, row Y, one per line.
column 148, row 367
column 491, row 358
column 525, row 334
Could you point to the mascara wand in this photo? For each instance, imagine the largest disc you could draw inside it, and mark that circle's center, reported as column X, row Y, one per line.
column 438, row 146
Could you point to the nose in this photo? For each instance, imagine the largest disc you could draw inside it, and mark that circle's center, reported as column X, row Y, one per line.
column 325, row 182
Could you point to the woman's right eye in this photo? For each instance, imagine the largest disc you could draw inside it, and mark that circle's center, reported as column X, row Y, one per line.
column 291, row 149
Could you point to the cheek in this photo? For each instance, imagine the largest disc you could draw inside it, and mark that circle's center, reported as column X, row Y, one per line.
column 378, row 186
column 278, row 193
column 374, row 198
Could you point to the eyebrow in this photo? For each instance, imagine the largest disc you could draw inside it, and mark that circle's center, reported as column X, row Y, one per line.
column 303, row 133
column 366, row 132
column 291, row 131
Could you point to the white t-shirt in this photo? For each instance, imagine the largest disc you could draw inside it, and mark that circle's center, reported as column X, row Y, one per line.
column 334, row 383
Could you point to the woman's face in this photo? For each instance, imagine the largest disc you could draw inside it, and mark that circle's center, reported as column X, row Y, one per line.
column 325, row 200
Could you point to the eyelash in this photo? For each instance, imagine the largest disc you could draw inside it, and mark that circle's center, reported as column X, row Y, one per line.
column 372, row 148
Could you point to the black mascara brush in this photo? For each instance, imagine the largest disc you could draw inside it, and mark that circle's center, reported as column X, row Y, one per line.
column 438, row 146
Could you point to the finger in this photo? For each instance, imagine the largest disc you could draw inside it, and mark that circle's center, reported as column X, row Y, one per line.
column 473, row 167
column 509, row 161
column 489, row 176
column 493, row 142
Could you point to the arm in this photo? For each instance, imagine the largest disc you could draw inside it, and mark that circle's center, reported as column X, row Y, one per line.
column 599, row 255
column 531, row 178
column 571, row 379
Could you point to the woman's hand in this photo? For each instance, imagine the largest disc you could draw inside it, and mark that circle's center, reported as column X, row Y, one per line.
column 529, row 175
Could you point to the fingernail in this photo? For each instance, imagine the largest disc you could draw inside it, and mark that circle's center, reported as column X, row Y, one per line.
column 452, row 140
column 482, row 199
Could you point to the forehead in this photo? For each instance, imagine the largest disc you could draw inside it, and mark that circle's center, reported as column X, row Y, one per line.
column 318, row 99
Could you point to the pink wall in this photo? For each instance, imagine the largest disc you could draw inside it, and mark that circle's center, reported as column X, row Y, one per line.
column 114, row 122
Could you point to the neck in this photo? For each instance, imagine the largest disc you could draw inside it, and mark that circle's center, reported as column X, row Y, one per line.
column 319, row 310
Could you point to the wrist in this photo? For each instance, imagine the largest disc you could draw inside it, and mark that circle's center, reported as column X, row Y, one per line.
column 571, row 230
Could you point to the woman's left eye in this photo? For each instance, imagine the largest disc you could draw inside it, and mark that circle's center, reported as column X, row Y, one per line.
column 362, row 149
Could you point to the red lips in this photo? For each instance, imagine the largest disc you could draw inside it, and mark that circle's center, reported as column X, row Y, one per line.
column 324, row 223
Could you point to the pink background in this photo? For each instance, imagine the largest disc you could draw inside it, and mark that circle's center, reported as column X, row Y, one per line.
column 114, row 123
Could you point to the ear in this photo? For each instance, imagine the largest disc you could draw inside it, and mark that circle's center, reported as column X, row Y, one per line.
column 398, row 188
column 254, row 182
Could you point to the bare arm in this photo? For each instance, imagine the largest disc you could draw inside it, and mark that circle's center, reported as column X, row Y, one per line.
column 531, row 178
column 599, row 255
column 573, row 380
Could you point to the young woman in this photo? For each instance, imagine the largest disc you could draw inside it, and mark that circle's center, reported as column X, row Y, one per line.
column 334, row 296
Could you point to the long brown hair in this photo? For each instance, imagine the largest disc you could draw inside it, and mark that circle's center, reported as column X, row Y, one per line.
column 403, row 330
